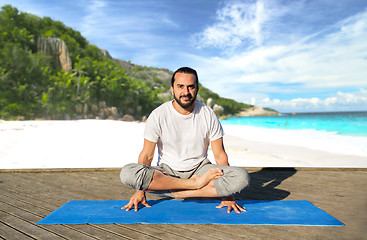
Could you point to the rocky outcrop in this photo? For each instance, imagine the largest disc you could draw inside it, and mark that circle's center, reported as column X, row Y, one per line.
column 256, row 111
column 106, row 54
column 210, row 102
column 127, row 118
column 218, row 110
column 56, row 48
column 156, row 76
column 100, row 111
column 126, row 65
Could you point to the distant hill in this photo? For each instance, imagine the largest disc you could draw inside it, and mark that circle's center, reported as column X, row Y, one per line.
column 50, row 71
column 161, row 79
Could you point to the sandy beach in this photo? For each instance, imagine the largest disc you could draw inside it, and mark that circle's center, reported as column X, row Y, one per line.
column 112, row 144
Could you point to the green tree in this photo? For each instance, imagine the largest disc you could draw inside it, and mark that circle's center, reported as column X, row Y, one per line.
column 33, row 85
column 21, row 80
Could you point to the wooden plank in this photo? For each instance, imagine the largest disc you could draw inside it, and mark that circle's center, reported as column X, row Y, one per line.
column 330, row 199
column 108, row 229
column 57, row 184
column 25, row 216
column 189, row 232
column 110, row 186
column 340, row 193
column 51, row 186
column 27, row 228
column 130, row 233
column 8, row 232
column 207, row 232
column 106, row 186
column 210, row 231
column 152, row 230
column 335, row 180
column 43, row 208
column 19, row 181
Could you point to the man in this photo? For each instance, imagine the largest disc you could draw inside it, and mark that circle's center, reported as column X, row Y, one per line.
column 183, row 129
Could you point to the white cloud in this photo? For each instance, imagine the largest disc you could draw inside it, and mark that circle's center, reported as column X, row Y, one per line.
column 95, row 10
column 128, row 28
column 331, row 60
column 238, row 23
column 340, row 102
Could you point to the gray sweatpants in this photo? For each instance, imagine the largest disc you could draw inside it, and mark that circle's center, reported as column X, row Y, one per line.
column 139, row 176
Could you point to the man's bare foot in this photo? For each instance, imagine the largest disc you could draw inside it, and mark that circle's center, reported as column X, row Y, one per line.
column 211, row 174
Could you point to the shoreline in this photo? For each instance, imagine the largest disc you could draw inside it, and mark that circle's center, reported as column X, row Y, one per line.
column 112, row 144
column 264, row 154
column 306, row 138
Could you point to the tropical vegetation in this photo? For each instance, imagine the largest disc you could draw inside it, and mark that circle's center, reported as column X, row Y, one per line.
column 34, row 85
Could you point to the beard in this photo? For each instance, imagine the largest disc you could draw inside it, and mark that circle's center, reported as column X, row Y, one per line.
column 185, row 105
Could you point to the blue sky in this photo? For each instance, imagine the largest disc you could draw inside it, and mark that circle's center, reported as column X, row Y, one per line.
column 293, row 56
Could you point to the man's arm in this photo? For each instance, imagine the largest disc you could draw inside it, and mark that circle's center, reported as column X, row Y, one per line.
column 220, row 155
column 221, row 158
column 146, row 156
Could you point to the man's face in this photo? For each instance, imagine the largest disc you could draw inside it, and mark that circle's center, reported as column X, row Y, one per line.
column 184, row 89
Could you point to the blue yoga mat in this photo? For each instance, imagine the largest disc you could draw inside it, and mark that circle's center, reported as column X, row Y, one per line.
column 290, row 212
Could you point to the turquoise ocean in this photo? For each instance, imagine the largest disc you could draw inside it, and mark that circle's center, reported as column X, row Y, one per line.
column 340, row 123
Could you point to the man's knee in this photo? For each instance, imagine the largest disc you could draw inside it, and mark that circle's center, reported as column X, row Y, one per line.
column 232, row 182
column 243, row 179
column 126, row 174
column 137, row 176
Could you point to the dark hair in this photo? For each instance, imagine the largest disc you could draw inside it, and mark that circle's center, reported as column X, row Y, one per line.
column 185, row 70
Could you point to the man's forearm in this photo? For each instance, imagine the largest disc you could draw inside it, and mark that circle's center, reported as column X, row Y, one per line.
column 147, row 154
column 222, row 159
column 145, row 159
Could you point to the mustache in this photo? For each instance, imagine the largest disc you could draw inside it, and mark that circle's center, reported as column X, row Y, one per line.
column 188, row 96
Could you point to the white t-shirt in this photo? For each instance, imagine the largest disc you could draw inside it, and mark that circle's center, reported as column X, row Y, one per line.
column 182, row 140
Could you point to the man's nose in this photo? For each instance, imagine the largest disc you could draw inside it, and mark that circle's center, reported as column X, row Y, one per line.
column 186, row 91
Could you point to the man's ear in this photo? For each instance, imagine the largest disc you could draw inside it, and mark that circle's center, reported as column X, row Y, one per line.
column 172, row 90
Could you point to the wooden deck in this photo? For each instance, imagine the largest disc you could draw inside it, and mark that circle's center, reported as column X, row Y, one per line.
column 28, row 196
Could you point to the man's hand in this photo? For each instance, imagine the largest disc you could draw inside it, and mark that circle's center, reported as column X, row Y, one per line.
column 138, row 197
column 230, row 202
